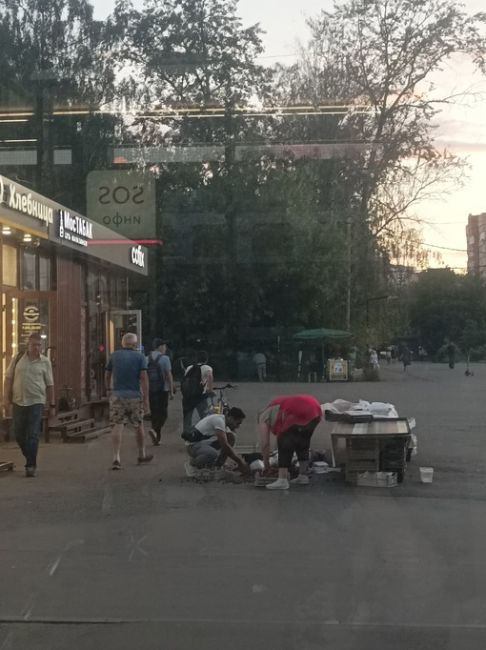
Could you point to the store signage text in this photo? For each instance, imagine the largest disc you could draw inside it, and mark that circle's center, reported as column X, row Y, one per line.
column 74, row 228
column 137, row 256
column 25, row 202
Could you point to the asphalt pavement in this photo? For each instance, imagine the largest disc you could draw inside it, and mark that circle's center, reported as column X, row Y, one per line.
column 147, row 559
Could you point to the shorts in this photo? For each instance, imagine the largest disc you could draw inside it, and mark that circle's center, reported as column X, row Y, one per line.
column 126, row 411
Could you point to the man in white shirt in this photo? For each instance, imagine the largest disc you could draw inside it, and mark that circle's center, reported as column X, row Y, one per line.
column 214, row 439
column 260, row 361
column 28, row 384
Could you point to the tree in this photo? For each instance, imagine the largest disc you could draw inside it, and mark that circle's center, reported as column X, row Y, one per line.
column 376, row 60
column 444, row 305
column 51, row 58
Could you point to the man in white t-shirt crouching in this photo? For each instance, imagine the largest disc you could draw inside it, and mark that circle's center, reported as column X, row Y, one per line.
column 213, row 441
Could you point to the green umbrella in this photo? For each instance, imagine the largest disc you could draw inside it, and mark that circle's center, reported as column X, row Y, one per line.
column 321, row 334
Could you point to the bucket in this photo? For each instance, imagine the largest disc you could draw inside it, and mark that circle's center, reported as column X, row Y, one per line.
column 426, row 474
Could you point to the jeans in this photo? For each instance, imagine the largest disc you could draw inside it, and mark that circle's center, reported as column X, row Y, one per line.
column 207, row 454
column 26, row 422
column 188, row 408
column 159, row 404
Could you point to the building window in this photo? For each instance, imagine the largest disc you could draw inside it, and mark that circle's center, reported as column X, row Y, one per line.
column 9, row 266
column 44, row 273
column 29, row 271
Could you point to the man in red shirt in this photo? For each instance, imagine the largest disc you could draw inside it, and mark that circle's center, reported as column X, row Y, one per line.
column 292, row 419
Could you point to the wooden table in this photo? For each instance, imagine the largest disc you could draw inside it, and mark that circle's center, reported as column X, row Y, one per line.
column 376, row 446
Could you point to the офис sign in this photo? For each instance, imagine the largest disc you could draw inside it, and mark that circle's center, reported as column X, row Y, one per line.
column 123, row 201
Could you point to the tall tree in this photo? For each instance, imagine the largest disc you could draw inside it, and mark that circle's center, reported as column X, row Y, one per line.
column 51, row 58
column 444, row 305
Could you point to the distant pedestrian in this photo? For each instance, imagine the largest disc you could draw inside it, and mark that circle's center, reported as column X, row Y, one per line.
column 406, row 357
column 292, row 419
column 129, row 396
column 451, row 354
column 260, row 361
column 161, row 387
column 28, row 383
column 373, row 358
column 196, row 388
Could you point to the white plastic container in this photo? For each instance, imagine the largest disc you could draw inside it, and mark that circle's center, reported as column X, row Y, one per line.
column 319, row 467
column 426, row 474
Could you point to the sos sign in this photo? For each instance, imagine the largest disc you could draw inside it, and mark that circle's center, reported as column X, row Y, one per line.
column 121, row 194
column 123, row 201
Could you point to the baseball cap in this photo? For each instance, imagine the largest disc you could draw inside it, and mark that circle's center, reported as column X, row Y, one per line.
column 157, row 342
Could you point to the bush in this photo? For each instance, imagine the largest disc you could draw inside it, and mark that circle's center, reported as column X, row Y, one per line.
column 478, row 354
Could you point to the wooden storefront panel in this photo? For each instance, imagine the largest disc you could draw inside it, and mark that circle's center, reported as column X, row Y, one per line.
column 70, row 370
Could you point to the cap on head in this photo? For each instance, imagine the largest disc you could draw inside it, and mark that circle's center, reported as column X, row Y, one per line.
column 157, row 342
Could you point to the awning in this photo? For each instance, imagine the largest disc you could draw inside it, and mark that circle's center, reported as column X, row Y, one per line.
column 321, row 334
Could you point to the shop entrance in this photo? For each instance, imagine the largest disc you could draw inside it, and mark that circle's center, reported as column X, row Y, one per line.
column 122, row 322
column 24, row 312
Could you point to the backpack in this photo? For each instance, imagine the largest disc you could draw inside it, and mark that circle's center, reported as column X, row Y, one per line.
column 191, row 384
column 156, row 381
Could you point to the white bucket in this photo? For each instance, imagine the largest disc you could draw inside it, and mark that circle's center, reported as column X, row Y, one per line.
column 426, row 474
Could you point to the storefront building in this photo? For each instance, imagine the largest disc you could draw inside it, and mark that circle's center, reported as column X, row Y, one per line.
column 68, row 278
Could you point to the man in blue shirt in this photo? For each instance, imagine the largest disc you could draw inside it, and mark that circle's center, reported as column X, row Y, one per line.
column 126, row 379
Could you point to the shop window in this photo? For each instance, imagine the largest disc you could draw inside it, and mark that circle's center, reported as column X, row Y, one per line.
column 29, row 271
column 9, row 266
column 44, row 273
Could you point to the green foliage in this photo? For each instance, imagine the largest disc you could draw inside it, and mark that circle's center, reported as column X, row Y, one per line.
column 444, row 305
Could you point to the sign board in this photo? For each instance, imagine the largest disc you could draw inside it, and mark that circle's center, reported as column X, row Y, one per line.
column 123, row 201
column 22, row 207
column 337, row 370
column 74, row 228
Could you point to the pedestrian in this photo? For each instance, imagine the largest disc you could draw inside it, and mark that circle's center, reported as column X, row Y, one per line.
column 451, row 354
column 211, row 442
column 161, row 387
column 373, row 359
column 260, row 361
column 406, row 357
column 292, row 419
column 196, row 388
column 28, row 383
column 127, row 383
column 312, row 368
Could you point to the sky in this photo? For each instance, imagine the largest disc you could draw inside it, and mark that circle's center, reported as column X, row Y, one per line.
column 461, row 128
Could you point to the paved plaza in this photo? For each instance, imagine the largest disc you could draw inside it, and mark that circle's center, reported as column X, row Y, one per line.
column 146, row 559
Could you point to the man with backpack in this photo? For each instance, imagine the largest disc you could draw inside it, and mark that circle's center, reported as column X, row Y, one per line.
column 196, row 387
column 161, row 387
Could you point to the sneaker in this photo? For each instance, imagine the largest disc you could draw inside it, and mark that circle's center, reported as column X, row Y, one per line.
column 191, row 471
column 143, row 460
column 153, row 436
column 116, row 465
column 302, row 479
column 279, row 484
column 30, row 472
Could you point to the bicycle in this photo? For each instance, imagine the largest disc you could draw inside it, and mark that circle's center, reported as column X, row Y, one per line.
column 220, row 406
